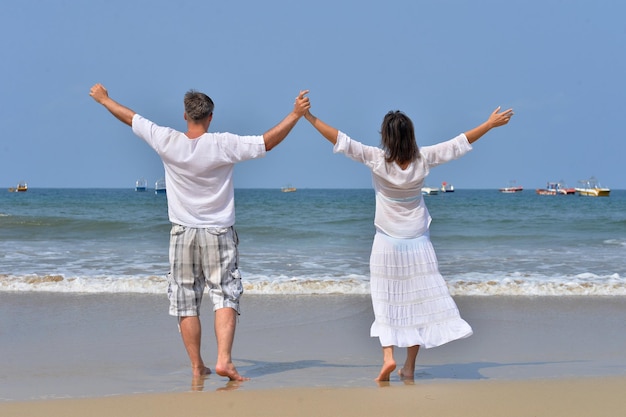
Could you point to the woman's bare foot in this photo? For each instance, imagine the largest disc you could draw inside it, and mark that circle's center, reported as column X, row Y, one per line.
column 229, row 371
column 406, row 374
column 386, row 370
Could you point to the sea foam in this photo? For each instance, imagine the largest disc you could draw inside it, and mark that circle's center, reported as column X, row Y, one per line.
column 468, row 285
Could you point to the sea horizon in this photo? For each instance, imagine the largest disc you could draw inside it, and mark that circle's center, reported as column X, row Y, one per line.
column 316, row 241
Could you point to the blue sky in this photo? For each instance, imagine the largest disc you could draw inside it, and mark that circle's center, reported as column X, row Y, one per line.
column 447, row 64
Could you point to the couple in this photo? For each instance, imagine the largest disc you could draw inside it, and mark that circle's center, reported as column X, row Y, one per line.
column 412, row 305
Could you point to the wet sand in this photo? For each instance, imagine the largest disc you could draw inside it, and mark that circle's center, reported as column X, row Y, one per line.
column 553, row 398
column 66, row 353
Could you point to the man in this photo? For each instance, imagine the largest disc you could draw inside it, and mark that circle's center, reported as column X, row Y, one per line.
column 200, row 196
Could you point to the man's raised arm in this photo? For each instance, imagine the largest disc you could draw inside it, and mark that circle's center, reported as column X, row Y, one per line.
column 279, row 132
column 122, row 113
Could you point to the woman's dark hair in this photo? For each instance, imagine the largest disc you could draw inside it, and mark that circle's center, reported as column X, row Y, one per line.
column 398, row 138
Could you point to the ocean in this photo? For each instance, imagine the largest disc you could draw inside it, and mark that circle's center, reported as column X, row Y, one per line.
column 316, row 241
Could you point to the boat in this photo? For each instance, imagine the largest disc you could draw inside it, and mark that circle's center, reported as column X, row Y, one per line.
column 159, row 187
column 21, row 187
column 288, row 189
column 430, row 191
column 556, row 188
column 512, row 188
column 592, row 188
column 141, row 184
column 447, row 188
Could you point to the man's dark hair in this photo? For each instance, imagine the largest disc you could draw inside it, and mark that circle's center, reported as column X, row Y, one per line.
column 198, row 106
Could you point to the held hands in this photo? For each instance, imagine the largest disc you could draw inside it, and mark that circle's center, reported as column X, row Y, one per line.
column 302, row 105
column 500, row 119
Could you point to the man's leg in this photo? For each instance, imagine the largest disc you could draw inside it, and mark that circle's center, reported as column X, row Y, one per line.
column 191, row 331
column 185, row 291
column 225, row 324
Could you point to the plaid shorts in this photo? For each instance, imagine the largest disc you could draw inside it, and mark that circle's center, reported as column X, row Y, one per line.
column 203, row 258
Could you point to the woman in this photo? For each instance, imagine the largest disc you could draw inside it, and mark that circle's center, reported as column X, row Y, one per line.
column 411, row 301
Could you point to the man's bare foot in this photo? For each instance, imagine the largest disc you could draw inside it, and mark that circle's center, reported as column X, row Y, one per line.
column 386, row 370
column 406, row 375
column 201, row 371
column 230, row 371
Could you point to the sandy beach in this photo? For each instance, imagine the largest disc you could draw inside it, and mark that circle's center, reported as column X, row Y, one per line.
column 586, row 397
column 111, row 354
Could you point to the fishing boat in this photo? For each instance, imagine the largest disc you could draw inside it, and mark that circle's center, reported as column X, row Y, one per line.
column 288, row 189
column 21, row 187
column 556, row 188
column 592, row 188
column 447, row 188
column 511, row 189
column 430, row 191
column 141, row 184
column 159, row 187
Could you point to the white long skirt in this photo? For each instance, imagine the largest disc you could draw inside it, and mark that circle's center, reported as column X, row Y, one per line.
column 412, row 304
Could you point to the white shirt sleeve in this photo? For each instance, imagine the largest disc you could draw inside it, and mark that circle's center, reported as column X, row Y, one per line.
column 446, row 151
column 368, row 155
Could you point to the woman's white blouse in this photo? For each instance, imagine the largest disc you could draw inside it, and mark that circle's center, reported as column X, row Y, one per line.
column 400, row 208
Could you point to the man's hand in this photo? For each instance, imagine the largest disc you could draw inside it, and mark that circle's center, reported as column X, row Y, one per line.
column 302, row 104
column 122, row 113
column 276, row 134
column 99, row 93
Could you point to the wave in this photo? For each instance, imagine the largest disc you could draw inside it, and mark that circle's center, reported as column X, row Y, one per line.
column 528, row 285
column 465, row 285
column 615, row 242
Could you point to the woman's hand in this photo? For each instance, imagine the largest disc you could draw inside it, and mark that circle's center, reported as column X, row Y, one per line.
column 498, row 118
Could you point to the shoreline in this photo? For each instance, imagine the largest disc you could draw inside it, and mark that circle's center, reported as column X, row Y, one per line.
column 117, row 345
